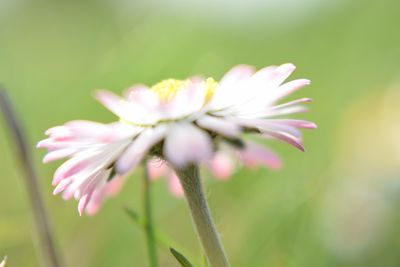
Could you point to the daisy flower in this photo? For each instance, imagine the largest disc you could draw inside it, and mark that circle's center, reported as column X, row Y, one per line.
column 182, row 122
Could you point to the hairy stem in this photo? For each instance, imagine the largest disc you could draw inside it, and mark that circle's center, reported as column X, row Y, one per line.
column 42, row 220
column 201, row 215
column 150, row 236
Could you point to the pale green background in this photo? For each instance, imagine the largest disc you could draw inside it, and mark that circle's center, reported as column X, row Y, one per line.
column 314, row 212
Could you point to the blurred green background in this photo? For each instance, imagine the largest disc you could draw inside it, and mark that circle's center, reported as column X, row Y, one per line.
column 335, row 205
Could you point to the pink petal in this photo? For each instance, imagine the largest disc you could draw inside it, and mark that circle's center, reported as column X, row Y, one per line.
column 48, row 143
column 58, row 131
column 61, row 186
column 221, row 166
column 285, row 137
column 83, row 202
column 94, row 205
column 82, row 183
column 157, row 168
column 254, row 155
column 58, row 154
column 113, row 187
column 175, row 186
column 186, row 143
column 295, row 123
column 96, row 201
column 221, row 126
column 69, row 168
column 84, row 128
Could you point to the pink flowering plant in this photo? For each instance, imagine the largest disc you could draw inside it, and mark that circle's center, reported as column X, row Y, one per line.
column 178, row 126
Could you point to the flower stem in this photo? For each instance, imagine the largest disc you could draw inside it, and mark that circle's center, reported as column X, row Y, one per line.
column 201, row 215
column 148, row 219
column 47, row 244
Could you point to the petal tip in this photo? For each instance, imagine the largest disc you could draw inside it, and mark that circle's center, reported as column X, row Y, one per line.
column 289, row 67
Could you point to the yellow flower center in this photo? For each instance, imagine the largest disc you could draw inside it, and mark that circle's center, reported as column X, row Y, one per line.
column 211, row 86
column 167, row 89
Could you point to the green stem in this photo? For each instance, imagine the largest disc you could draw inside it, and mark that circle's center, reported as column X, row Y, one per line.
column 148, row 219
column 47, row 244
column 201, row 215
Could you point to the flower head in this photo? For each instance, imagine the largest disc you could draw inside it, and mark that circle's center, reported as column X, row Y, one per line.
column 181, row 122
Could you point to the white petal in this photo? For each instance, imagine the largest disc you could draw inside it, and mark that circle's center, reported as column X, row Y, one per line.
column 139, row 147
column 235, row 75
column 230, row 87
column 219, row 125
column 111, row 101
column 185, row 144
column 142, row 111
column 187, row 101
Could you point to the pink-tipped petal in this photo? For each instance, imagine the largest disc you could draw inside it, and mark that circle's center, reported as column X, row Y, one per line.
column 83, row 202
column 185, row 144
column 61, row 186
column 58, row 154
column 157, row 168
column 175, row 186
column 113, row 187
column 71, row 167
column 221, row 166
column 58, row 131
column 285, row 137
column 46, row 143
column 94, row 206
column 254, row 155
column 111, row 101
column 295, row 123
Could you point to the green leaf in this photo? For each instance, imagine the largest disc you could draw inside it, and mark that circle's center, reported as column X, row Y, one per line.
column 181, row 259
column 134, row 216
column 161, row 238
